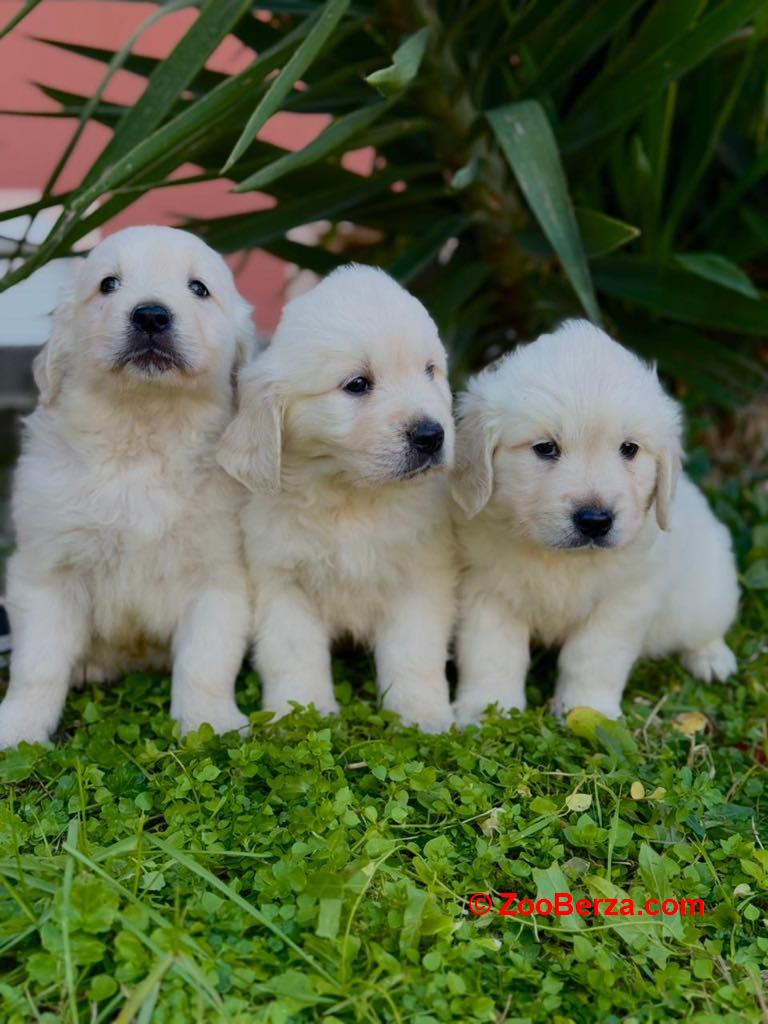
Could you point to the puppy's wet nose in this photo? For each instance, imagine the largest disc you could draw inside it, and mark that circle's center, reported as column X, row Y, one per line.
column 592, row 521
column 426, row 436
column 151, row 319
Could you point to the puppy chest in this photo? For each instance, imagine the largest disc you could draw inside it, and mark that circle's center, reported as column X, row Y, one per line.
column 555, row 603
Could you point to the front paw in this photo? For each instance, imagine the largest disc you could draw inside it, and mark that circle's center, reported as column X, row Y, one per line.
column 568, row 698
column 21, row 723
column 222, row 719
column 432, row 715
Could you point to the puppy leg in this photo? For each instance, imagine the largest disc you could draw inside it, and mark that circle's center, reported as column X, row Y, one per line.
column 208, row 648
column 49, row 623
column 493, row 656
column 411, row 651
column 712, row 661
column 292, row 653
column 596, row 660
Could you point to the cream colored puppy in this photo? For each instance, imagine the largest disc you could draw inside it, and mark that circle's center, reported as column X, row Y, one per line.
column 129, row 551
column 579, row 530
column 344, row 434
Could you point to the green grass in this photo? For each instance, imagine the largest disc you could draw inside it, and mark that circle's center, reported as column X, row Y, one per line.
column 320, row 869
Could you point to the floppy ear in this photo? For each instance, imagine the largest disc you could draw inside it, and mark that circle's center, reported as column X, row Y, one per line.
column 49, row 364
column 250, row 449
column 245, row 343
column 668, row 466
column 472, row 476
column 669, row 458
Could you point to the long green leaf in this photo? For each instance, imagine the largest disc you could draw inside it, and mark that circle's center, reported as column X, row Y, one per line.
column 406, row 62
column 137, row 63
column 587, row 34
column 424, row 250
column 700, row 151
column 18, row 17
column 170, row 78
column 332, row 12
column 664, row 23
column 680, row 295
column 609, row 107
column 115, row 64
column 243, row 231
column 714, row 267
column 168, row 146
column 334, row 137
column 526, row 139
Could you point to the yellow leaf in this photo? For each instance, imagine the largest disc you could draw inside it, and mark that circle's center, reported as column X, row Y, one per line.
column 690, row 722
column 637, row 790
column 578, row 802
column 658, row 794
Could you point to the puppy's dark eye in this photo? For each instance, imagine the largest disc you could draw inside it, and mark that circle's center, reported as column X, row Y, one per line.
column 109, row 284
column 358, row 385
column 199, row 289
column 429, row 369
column 547, row 450
column 629, row 450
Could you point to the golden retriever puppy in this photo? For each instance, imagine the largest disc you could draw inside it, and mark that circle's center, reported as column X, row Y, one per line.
column 343, row 435
column 129, row 551
column 579, row 530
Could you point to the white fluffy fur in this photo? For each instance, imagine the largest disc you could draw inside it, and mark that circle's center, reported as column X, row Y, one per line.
column 337, row 541
column 129, row 551
column 666, row 584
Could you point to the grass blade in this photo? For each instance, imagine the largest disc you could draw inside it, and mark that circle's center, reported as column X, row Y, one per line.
column 332, row 13
column 527, row 141
column 216, row 883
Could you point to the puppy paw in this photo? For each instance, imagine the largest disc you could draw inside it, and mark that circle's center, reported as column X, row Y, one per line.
column 430, row 715
column 606, row 704
column 21, row 724
column 92, row 672
column 224, row 718
column 472, row 711
column 714, row 661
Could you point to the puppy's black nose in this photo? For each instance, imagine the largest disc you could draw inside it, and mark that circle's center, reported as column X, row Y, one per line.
column 151, row 319
column 591, row 521
column 426, row 436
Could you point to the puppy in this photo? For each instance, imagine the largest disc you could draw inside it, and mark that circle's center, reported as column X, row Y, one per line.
column 344, row 433
column 579, row 530
column 129, row 552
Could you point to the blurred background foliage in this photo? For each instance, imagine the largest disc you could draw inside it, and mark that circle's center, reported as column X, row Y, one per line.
column 534, row 159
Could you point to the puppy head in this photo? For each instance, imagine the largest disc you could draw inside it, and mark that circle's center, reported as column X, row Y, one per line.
column 573, row 437
column 151, row 306
column 353, row 386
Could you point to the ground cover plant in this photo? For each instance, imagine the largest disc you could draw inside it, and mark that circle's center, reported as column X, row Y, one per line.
column 321, row 869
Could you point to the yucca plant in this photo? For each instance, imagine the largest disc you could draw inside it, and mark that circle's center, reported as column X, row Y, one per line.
column 532, row 160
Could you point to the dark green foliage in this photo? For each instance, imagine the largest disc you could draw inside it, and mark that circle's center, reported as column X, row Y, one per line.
column 605, row 157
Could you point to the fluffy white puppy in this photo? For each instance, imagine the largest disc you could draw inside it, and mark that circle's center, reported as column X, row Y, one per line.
column 129, row 550
column 343, row 434
column 579, row 530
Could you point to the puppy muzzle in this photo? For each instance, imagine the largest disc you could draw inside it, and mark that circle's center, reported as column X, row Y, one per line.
column 424, row 447
column 150, row 343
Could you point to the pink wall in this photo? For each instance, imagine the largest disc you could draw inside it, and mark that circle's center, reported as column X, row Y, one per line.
column 30, row 146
